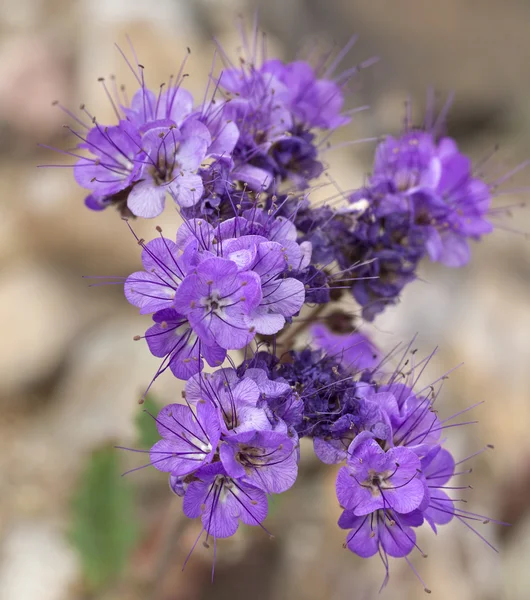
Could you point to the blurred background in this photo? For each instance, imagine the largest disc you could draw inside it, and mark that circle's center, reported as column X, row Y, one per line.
column 70, row 374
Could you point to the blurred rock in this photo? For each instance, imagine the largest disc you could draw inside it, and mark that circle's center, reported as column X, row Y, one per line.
column 31, row 78
column 39, row 318
column 59, row 227
column 37, row 562
column 106, row 374
column 515, row 564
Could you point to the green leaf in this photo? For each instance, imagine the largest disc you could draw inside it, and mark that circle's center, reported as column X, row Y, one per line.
column 146, row 430
column 103, row 527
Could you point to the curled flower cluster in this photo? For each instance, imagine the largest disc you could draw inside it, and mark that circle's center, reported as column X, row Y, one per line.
column 251, row 251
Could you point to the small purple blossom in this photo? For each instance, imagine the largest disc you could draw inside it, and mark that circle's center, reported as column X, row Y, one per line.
column 354, row 350
column 218, row 301
column 116, row 151
column 172, row 338
column 266, row 459
column 172, row 158
column 189, row 439
column 281, row 297
column 374, row 479
column 382, row 531
column 156, row 148
column 222, row 502
column 154, row 288
column 436, row 186
column 236, row 400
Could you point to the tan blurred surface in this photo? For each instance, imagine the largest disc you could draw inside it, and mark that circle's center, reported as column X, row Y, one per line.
column 70, row 373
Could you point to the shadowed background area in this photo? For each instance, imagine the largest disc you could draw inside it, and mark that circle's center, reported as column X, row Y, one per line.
column 70, row 373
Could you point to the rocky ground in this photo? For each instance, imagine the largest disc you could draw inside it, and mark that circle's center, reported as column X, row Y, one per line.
column 70, row 373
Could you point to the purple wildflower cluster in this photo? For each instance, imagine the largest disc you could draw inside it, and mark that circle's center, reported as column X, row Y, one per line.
column 226, row 448
column 250, row 253
column 255, row 134
column 386, row 436
column 421, row 200
column 214, row 289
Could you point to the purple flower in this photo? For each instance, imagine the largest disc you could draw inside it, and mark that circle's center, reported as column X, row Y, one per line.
column 435, row 183
column 264, row 459
column 353, row 350
column 421, row 199
column 189, row 440
column 414, row 423
column 283, row 404
column 164, row 268
column 236, row 400
column 156, row 147
column 438, row 467
column 173, row 339
column 357, row 414
column 173, row 156
column 275, row 107
column 374, row 479
column 174, row 104
column 296, row 160
column 407, row 161
column 281, row 297
column 218, row 300
column 314, row 102
column 381, row 531
column 222, row 501
column 118, row 155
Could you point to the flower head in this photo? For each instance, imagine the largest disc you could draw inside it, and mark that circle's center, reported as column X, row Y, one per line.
column 265, row 459
column 236, row 400
column 189, row 439
column 354, row 350
column 382, row 531
column 221, row 501
column 374, row 479
column 172, row 158
column 218, row 301
column 172, row 338
column 435, row 186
